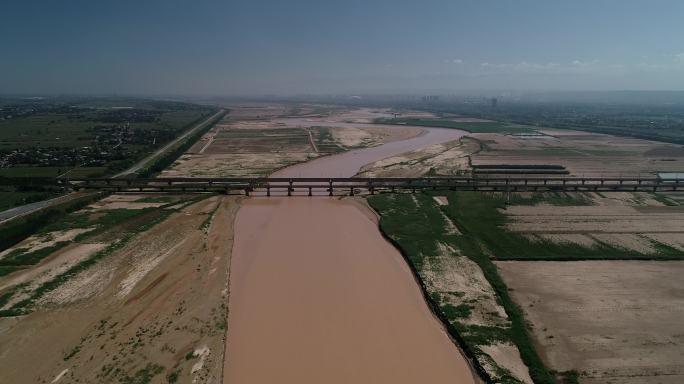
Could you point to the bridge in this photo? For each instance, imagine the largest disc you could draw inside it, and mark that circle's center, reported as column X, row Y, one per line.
column 353, row 185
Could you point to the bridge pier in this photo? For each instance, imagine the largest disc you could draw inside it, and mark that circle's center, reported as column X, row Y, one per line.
column 268, row 191
column 351, row 191
column 310, row 191
column 330, row 188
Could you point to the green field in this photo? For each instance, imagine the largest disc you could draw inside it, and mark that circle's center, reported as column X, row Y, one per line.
column 473, row 127
column 52, row 171
column 94, row 137
column 11, row 197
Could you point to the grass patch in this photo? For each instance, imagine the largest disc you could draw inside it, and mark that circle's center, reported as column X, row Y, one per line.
column 207, row 222
column 6, row 270
column 417, row 229
column 561, row 199
column 172, row 377
column 665, row 200
column 156, row 199
column 452, row 312
column 144, row 375
column 20, row 258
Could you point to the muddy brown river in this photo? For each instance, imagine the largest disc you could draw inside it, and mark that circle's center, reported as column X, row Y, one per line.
column 318, row 296
column 347, row 164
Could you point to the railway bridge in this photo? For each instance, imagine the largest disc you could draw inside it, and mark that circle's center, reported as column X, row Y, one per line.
column 353, row 185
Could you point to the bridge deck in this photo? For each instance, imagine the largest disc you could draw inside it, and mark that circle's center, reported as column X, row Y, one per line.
column 372, row 185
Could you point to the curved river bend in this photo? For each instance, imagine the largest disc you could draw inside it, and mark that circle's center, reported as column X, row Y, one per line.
column 318, row 296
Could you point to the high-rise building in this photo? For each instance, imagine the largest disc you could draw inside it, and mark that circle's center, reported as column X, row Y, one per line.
column 495, row 102
column 430, row 99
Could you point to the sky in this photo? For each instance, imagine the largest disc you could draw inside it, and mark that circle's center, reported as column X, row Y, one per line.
column 277, row 47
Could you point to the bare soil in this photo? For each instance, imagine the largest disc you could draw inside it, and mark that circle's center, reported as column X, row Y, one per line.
column 582, row 153
column 440, row 159
column 612, row 321
column 153, row 308
column 620, row 219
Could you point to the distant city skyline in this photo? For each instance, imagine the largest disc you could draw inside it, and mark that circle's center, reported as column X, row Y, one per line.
column 326, row 47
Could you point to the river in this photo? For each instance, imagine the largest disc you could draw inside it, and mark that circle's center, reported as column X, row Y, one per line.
column 318, row 296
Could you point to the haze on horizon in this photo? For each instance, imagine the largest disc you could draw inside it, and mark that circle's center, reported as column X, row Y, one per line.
column 232, row 48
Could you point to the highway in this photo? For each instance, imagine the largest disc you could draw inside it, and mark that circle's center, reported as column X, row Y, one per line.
column 28, row 208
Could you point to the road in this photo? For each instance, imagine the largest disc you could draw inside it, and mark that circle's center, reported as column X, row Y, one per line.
column 144, row 162
column 28, row 208
column 32, row 207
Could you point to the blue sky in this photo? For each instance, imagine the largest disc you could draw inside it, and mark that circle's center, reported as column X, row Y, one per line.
column 290, row 47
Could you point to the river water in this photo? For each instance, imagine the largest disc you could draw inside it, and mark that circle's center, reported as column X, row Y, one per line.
column 318, row 296
column 347, row 164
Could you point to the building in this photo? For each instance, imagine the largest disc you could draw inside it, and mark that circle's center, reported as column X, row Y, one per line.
column 430, row 99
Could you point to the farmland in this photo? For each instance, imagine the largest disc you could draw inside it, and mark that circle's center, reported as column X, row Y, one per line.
column 82, row 137
column 608, row 321
column 51, row 137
